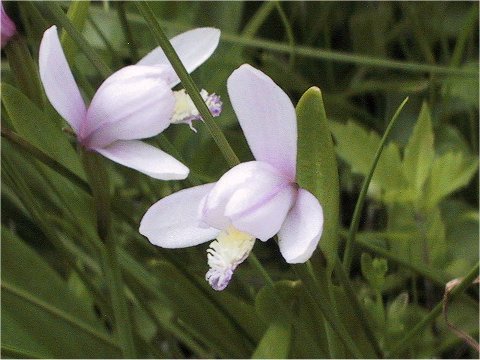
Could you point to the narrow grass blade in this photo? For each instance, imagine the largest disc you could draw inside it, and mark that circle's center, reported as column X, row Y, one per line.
column 188, row 83
column 348, row 254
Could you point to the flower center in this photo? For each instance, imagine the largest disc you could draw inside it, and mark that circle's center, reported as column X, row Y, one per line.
column 185, row 110
column 227, row 252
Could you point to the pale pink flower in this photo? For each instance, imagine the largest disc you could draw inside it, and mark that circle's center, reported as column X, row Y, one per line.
column 253, row 200
column 8, row 28
column 134, row 103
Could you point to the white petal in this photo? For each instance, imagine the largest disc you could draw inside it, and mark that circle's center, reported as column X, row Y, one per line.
column 301, row 231
column 253, row 196
column 133, row 103
column 173, row 222
column 58, row 81
column 146, row 159
column 267, row 118
column 193, row 47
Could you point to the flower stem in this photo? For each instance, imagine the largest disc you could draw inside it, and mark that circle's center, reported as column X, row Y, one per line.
column 252, row 259
column 98, row 178
column 348, row 254
column 437, row 310
column 188, row 83
column 127, row 30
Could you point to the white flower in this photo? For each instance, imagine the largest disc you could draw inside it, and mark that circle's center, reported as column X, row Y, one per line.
column 256, row 199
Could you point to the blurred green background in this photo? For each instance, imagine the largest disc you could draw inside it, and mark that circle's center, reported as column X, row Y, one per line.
column 421, row 214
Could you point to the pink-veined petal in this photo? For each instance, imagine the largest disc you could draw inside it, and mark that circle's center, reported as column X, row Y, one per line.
column 244, row 192
column 173, row 222
column 58, row 81
column 265, row 218
column 267, row 118
column 133, row 103
column 193, row 47
column 301, row 231
column 145, row 158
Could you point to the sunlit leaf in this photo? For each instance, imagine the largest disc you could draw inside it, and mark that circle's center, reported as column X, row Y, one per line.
column 357, row 147
column 450, row 172
column 317, row 169
column 419, row 151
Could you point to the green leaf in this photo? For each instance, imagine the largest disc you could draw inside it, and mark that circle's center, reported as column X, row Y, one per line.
column 24, row 69
column 266, row 304
column 463, row 88
column 37, row 300
column 77, row 13
column 32, row 124
column 275, row 343
column 450, row 172
column 419, row 152
column 198, row 312
column 305, row 325
column 436, row 238
column 374, row 270
column 317, row 169
column 357, row 147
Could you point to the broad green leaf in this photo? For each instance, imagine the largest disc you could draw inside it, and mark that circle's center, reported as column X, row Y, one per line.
column 317, row 169
column 275, row 343
column 450, row 172
column 36, row 299
column 357, row 147
column 32, row 124
column 77, row 13
column 419, row 152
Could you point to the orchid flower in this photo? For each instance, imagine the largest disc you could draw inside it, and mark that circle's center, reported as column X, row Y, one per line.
column 135, row 102
column 253, row 200
column 7, row 26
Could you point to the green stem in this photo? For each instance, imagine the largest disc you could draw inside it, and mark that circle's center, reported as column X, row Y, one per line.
column 342, row 57
column 288, row 31
column 21, row 294
column 111, row 50
column 53, row 11
column 258, row 19
column 432, row 315
column 98, row 178
column 469, row 26
column 77, row 14
column 357, row 308
column 127, row 31
column 348, row 254
column 253, row 260
column 331, row 55
column 188, row 83
column 422, row 42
